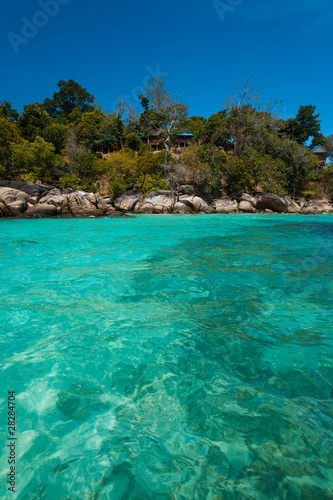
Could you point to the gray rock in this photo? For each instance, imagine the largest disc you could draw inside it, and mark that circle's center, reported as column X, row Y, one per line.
column 312, row 210
column 127, row 203
column 194, row 202
column 226, row 206
column 250, row 199
column 272, row 202
column 34, row 191
column 157, row 202
column 80, row 206
column 15, row 202
column 181, row 208
column 294, row 208
column 246, row 206
column 41, row 210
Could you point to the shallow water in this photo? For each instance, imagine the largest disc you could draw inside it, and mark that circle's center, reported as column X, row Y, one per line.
column 169, row 357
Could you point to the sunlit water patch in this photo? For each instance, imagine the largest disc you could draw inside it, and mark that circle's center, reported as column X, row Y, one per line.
column 166, row 357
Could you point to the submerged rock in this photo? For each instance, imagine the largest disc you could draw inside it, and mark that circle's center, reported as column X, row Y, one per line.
column 79, row 401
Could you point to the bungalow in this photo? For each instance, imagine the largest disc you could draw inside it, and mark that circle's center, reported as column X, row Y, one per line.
column 183, row 139
column 321, row 154
column 108, row 145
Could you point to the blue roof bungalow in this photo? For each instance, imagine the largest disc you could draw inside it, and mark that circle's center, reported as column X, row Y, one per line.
column 108, row 145
column 183, row 139
column 321, row 154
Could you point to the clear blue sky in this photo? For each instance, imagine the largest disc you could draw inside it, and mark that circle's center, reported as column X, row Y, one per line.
column 108, row 47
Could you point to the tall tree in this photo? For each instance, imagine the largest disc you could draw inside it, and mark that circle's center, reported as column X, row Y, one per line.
column 168, row 109
column 33, row 121
column 304, row 126
column 70, row 96
column 247, row 113
column 7, row 111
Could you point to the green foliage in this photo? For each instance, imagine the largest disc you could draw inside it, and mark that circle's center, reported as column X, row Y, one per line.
column 71, row 96
column 36, row 159
column 7, row 111
column 33, row 121
column 151, row 183
column 133, row 141
column 90, row 129
column 237, row 177
column 69, row 181
column 116, row 187
column 86, row 167
column 9, row 136
column 267, row 173
column 305, row 125
column 56, row 133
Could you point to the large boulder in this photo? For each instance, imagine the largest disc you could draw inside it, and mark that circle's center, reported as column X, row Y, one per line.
column 226, row 206
column 41, row 210
column 294, row 208
column 15, row 202
column 4, row 211
column 127, row 203
column 157, row 202
column 246, row 206
column 181, row 208
column 80, row 206
column 272, row 202
column 59, row 201
column 34, row 191
column 196, row 203
column 311, row 210
column 100, row 204
column 249, row 199
column 322, row 206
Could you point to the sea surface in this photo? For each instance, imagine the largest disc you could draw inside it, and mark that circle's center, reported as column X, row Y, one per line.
column 168, row 357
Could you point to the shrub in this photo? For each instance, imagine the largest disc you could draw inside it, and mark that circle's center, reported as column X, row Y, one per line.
column 69, row 181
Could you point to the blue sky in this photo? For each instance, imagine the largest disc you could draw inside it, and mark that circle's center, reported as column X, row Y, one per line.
column 201, row 50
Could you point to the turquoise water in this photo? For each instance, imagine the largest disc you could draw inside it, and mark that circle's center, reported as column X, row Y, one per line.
column 169, row 357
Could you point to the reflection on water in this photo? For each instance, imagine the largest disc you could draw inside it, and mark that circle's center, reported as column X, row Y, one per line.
column 169, row 357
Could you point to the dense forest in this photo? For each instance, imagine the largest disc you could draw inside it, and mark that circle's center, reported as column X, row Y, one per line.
column 243, row 147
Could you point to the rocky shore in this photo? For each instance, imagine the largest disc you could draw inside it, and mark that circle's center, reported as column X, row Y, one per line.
column 23, row 200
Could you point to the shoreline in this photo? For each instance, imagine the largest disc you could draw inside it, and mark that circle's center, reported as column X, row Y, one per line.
column 21, row 200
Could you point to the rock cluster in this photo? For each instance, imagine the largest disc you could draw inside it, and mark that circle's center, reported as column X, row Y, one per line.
column 21, row 199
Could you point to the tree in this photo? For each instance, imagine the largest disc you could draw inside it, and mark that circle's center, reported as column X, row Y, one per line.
column 7, row 111
column 90, row 129
column 247, row 113
column 70, row 96
column 56, row 133
column 304, row 126
column 169, row 110
column 37, row 159
column 33, row 121
column 9, row 136
column 133, row 141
